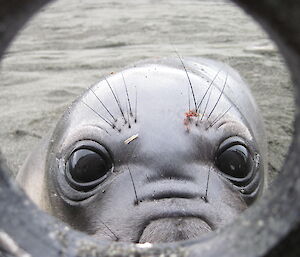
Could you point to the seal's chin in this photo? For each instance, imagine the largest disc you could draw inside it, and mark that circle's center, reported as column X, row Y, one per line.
column 174, row 229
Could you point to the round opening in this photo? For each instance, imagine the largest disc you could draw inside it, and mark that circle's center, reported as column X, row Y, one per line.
column 55, row 61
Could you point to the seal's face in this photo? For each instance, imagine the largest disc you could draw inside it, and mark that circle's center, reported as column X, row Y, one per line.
column 144, row 157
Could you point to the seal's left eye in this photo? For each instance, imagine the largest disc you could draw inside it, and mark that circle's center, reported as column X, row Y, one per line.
column 234, row 161
column 87, row 167
column 237, row 159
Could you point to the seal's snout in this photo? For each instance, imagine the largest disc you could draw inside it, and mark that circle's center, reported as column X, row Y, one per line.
column 174, row 229
column 169, row 188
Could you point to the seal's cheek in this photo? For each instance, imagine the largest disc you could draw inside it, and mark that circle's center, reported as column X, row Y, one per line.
column 135, row 201
column 138, row 208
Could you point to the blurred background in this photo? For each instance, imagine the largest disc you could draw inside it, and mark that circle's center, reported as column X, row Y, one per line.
column 71, row 44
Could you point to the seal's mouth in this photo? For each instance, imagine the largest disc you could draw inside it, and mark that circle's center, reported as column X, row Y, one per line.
column 172, row 215
column 173, row 229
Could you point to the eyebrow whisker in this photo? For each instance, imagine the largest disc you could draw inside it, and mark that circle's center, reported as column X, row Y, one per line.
column 128, row 99
column 219, row 117
column 219, row 97
column 116, row 99
column 103, row 105
column 190, row 83
column 210, row 85
column 136, row 96
column 129, row 125
column 207, row 90
column 208, row 99
column 108, row 122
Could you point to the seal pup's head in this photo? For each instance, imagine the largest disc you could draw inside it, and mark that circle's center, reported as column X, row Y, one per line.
column 163, row 151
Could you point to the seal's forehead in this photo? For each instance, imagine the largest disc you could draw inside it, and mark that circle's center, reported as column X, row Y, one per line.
column 160, row 95
column 162, row 102
column 166, row 91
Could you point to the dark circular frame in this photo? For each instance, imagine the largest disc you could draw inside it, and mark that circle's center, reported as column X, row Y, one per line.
column 270, row 228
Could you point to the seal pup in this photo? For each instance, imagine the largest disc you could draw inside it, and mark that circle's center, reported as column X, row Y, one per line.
column 166, row 150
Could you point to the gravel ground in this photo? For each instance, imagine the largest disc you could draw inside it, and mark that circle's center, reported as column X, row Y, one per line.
column 71, row 44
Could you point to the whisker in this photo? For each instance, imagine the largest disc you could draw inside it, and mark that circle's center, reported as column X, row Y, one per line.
column 103, row 105
column 206, row 103
column 148, row 178
column 206, row 190
column 219, row 97
column 109, row 123
column 115, row 97
column 129, row 158
column 118, row 99
column 210, row 85
column 136, row 95
column 128, row 99
column 207, row 90
column 219, row 118
column 117, row 238
column 190, row 83
column 134, row 188
column 129, row 125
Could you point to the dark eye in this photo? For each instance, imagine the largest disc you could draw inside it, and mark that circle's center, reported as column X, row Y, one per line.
column 86, row 168
column 238, row 161
column 234, row 161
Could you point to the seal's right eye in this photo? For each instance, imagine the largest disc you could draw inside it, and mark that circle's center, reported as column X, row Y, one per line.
column 87, row 167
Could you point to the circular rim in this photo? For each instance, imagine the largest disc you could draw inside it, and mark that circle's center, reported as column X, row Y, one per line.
column 270, row 228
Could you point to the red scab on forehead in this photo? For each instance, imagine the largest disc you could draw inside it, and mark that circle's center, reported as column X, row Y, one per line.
column 188, row 117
